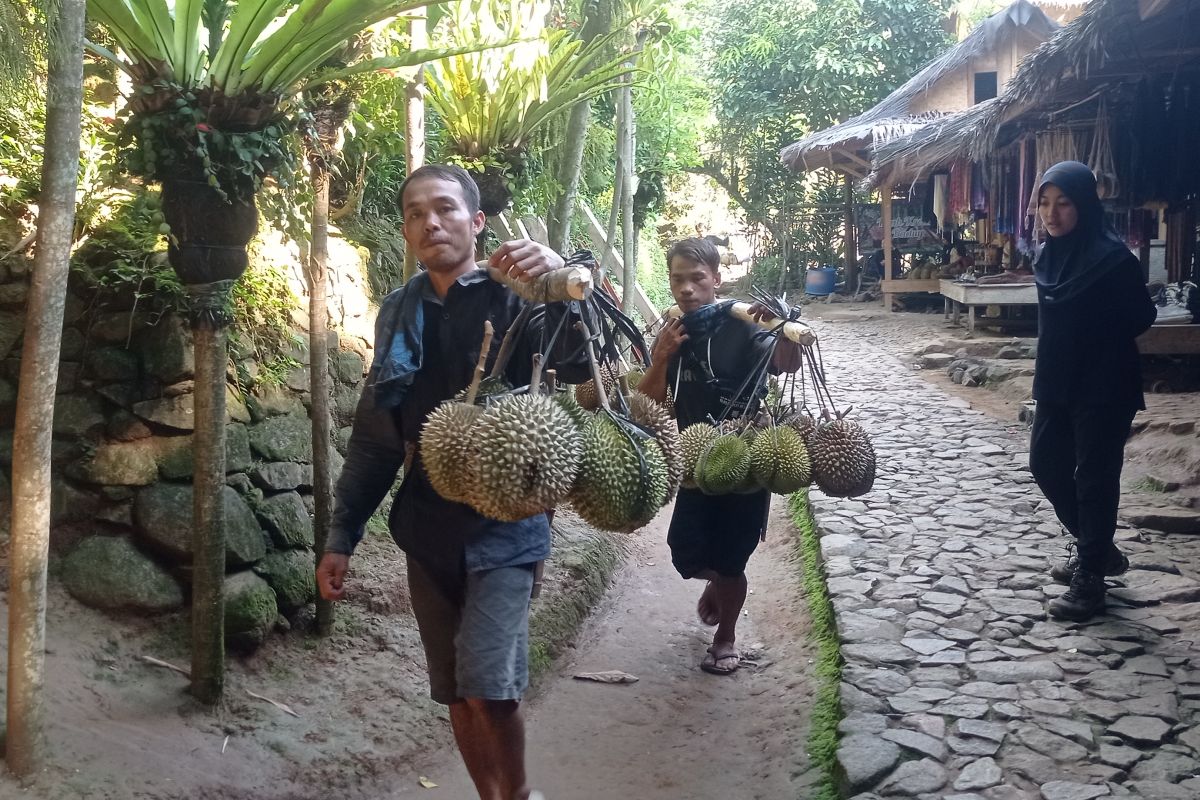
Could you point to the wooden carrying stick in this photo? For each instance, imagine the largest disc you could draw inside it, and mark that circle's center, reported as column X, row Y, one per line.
column 556, row 286
column 484, row 349
column 797, row 332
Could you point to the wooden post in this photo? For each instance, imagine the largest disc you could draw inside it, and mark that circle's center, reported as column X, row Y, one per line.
column 625, row 140
column 25, row 745
column 851, row 240
column 318, row 354
column 885, row 197
column 414, row 123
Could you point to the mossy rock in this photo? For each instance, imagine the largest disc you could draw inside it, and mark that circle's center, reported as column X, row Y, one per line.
column 250, row 610
column 291, row 574
column 111, row 364
column 109, row 572
column 177, row 456
column 120, row 464
column 162, row 517
column 286, row 438
column 286, row 519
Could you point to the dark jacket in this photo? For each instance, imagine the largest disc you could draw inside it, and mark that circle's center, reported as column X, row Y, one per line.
column 442, row 535
column 1086, row 349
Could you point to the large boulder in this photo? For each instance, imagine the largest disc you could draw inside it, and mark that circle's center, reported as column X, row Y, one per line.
column 285, row 517
column 109, row 572
column 278, row 476
column 77, row 415
column 177, row 457
column 162, row 516
column 167, row 350
column 71, row 504
column 292, row 576
column 286, row 438
column 12, row 325
column 120, row 464
column 179, row 411
column 250, row 610
column 348, row 367
column 111, row 364
column 273, row 401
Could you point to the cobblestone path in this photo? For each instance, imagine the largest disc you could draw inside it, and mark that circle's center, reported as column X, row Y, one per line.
column 956, row 684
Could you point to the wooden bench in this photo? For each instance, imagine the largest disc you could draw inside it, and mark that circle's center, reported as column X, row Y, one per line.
column 973, row 295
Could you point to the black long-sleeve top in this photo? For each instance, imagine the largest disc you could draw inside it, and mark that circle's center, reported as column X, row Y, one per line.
column 1087, row 354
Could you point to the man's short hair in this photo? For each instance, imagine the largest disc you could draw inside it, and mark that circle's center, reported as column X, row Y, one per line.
column 698, row 250
column 445, row 172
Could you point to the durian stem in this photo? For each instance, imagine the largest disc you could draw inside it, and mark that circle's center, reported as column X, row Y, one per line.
column 551, row 381
column 601, row 395
column 535, row 379
column 510, row 340
column 484, row 349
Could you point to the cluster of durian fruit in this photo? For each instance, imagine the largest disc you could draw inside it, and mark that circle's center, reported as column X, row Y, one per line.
column 782, row 457
column 510, row 456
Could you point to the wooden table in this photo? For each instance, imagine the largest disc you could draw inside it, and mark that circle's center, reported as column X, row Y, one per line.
column 973, row 295
column 1174, row 340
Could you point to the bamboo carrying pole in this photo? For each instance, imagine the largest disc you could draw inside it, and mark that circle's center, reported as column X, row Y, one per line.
column 556, row 286
column 25, row 746
column 796, row 332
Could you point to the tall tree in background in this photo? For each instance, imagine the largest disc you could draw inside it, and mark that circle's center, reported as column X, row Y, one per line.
column 25, row 745
column 783, row 69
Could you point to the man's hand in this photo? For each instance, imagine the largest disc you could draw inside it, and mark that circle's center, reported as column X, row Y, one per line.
column 761, row 313
column 331, row 575
column 524, row 259
column 669, row 340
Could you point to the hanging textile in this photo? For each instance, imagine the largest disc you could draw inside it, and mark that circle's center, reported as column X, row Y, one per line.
column 941, row 203
column 979, row 199
column 1181, row 242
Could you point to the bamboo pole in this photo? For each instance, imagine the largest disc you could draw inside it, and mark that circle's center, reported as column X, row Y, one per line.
column 556, row 286
column 25, row 744
column 885, row 195
column 797, row 332
column 628, row 179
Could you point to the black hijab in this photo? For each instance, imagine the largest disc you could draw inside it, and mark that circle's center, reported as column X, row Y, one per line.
column 1067, row 265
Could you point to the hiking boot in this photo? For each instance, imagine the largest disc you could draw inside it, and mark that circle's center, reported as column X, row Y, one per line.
column 1063, row 571
column 1084, row 600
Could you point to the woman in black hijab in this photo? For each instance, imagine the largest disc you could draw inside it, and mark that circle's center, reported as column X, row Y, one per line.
column 1092, row 305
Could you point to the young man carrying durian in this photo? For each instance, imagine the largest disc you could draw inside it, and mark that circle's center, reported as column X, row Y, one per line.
column 469, row 577
column 706, row 357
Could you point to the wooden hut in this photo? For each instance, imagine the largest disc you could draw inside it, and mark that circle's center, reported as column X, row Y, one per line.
column 973, row 71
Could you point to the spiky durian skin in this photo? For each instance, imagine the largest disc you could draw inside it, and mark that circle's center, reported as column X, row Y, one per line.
column 576, row 412
column 843, row 459
column 529, row 453
column 692, row 441
column 779, row 460
column 585, row 393
column 653, row 416
column 447, row 449
column 724, row 465
column 622, row 478
column 488, row 388
column 802, row 424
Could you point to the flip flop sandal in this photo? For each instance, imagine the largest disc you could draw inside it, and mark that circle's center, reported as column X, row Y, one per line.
column 712, row 665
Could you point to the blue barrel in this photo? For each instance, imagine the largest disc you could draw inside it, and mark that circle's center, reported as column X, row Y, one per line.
column 820, row 281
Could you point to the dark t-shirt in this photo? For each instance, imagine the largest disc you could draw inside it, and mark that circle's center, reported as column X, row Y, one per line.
column 705, row 375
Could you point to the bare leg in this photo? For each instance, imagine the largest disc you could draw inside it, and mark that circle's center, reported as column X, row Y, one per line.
column 491, row 738
column 729, row 595
column 706, row 606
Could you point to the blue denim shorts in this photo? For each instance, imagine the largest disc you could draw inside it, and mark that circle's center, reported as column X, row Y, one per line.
column 475, row 631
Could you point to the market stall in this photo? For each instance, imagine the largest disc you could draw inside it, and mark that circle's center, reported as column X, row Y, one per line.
column 972, row 296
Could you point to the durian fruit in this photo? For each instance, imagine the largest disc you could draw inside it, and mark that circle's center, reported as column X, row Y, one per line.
column 585, row 393
column 723, row 465
column 566, row 400
column 529, row 452
column 692, row 441
column 779, row 460
column 622, row 476
column 843, row 460
column 802, row 424
column 653, row 416
column 448, row 449
column 490, row 389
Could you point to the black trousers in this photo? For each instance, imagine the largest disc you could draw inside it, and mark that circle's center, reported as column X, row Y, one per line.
column 1075, row 455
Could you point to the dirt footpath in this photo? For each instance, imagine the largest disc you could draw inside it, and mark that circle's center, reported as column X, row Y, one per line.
column 677, row 732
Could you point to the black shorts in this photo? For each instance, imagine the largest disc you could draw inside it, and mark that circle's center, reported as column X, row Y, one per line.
column 716, row 532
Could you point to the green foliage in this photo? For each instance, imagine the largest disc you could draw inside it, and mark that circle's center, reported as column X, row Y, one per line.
column 784, row 68
column 827, row 669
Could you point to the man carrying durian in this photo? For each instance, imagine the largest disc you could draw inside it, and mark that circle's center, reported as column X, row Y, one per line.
column 706, row 357
column 469, row 577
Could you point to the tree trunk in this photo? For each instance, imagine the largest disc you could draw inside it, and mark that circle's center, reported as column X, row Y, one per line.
column 318, row 351
column 30, row 538
column 208, row 508
column 614, row 216
column 414, row 123
column 558, row 224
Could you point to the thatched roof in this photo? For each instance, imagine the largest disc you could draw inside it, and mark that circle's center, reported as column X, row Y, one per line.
column 1109, row 41
column 891, row 117
column 934, row 145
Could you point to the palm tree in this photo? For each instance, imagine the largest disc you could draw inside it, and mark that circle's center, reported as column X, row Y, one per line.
column 215, row 87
